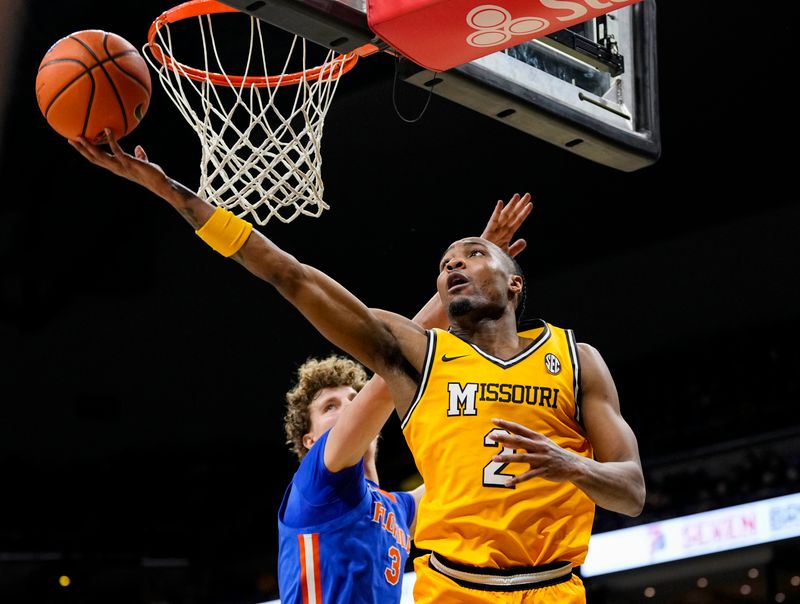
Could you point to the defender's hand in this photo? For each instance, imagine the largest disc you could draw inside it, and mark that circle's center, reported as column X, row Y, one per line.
column 505, row 221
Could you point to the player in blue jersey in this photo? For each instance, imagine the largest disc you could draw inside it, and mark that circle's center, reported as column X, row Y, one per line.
column 342, row 538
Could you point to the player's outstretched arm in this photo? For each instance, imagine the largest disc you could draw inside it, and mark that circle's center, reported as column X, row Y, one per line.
column 614, row 478
column 362, row 420
column 337, row 314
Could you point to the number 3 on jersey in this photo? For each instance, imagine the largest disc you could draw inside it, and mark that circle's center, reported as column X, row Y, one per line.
column 392, row 573
column 493, row 471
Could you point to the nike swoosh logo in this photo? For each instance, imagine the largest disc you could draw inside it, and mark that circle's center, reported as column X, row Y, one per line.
column 447, row 359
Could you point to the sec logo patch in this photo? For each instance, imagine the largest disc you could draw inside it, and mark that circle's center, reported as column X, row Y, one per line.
column 552, row 364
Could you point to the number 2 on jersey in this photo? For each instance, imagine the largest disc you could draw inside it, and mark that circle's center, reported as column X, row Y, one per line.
column 493, row 471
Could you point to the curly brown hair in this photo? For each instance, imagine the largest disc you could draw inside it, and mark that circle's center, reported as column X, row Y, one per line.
column 313, row 376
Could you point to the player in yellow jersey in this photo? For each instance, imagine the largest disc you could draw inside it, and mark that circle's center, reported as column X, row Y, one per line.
column 508, row 508
column 536, row 531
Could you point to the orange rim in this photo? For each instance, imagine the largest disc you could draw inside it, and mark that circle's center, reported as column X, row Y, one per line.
column 195, row 8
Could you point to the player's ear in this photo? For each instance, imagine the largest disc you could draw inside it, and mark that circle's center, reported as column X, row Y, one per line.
column 515, row 283
column 308, row 440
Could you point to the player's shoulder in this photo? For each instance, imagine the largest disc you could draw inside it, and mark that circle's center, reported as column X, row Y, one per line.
column 587, row 352
column 536, row 326
column 388, row 316
column 585, row 349
column 592, row 362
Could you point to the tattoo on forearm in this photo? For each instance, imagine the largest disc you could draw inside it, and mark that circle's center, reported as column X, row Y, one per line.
column 190, row 217
column 187, row 197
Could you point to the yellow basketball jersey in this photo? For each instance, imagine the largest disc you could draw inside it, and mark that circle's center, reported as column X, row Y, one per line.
column 467, row 514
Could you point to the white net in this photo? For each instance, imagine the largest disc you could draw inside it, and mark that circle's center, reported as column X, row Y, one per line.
column 260, row 134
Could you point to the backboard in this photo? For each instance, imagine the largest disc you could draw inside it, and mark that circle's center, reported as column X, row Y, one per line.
column 591, row 89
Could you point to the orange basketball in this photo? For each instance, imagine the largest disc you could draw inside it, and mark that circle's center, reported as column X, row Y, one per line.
column 91, row 80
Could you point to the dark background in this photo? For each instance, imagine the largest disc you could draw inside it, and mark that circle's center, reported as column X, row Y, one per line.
column 142, row 375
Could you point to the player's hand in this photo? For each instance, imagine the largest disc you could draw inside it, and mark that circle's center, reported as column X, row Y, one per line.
column 134, row 167
column 546, row 459
column 504, row 222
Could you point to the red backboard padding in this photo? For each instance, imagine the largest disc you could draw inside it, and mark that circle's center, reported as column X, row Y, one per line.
column 441, row 34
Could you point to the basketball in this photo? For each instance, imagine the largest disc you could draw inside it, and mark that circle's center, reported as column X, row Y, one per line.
column 91, row 80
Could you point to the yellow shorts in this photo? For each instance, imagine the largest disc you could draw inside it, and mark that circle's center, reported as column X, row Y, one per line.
column 432, row 587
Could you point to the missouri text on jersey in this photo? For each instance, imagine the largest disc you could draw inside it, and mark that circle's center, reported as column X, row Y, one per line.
column 463, row 397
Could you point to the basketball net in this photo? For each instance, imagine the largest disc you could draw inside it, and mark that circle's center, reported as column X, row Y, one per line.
column 260, row 134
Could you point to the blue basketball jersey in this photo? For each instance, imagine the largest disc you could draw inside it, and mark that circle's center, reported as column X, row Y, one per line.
column 350, row 547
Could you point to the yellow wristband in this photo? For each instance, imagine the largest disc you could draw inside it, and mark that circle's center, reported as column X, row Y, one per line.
column 225, row 232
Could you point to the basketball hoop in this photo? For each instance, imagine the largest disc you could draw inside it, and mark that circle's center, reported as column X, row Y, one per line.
column 261, row 145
